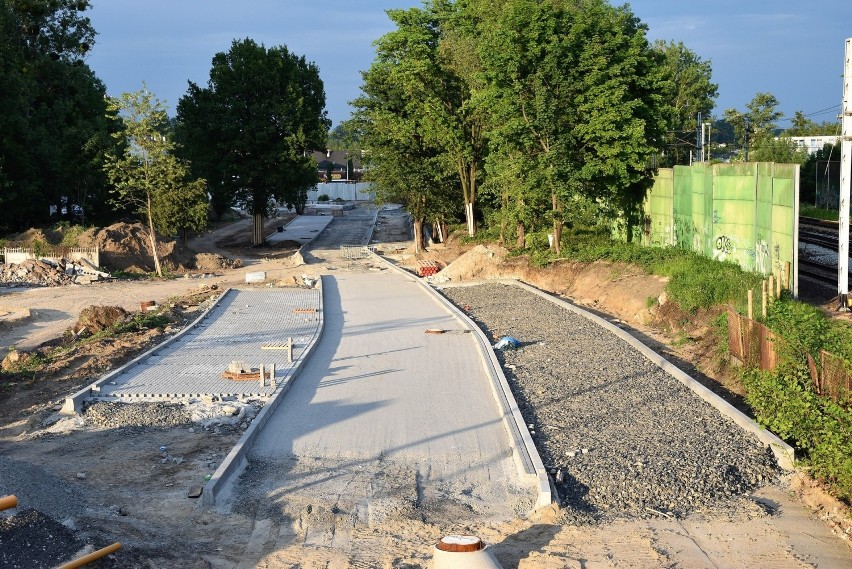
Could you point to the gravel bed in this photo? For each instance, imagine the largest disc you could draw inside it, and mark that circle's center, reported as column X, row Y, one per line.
column 145, row 414
column 32, row 540
column 630, row 440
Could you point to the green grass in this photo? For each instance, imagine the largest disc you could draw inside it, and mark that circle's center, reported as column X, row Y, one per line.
column 694, row 281
column 818, row 212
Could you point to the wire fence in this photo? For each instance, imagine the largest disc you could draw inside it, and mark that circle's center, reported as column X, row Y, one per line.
column 755, row 345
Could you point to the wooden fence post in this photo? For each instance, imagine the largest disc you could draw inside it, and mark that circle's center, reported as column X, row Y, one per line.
column 750, row 304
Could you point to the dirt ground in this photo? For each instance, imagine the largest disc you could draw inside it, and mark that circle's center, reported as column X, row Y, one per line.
column 116, row 484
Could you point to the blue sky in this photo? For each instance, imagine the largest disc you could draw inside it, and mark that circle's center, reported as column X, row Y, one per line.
column 792, row 49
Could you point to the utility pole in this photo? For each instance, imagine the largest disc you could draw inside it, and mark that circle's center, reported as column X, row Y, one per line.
column 845, row 182
column 707, row 153
column 699, row 135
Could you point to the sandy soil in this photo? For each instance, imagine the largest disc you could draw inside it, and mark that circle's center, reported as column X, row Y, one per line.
column 116, row 484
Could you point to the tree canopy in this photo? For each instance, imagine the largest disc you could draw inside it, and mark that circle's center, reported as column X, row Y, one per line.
column 250, row 131
column 147, row 176
column 546, row 103
column 53, row 125
column 689, row 91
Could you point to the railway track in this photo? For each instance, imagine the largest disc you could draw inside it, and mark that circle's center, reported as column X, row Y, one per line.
column 821, row 233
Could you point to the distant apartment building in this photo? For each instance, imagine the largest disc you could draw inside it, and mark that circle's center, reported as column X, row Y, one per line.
column 814, row 143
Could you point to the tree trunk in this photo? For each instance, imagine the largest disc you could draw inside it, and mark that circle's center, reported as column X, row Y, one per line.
column 557, row 236
column 153, row 238
column 557, row 225
column 257, row 236
column 521, row 243
column 504, row 216
column 418, row 235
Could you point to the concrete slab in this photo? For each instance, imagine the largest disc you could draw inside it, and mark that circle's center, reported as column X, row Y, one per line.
column 302, row 229
column 236, row 329
column 379, row 390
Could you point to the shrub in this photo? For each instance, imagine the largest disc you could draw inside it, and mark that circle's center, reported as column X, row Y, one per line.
column 785, row 403
column 323, row 198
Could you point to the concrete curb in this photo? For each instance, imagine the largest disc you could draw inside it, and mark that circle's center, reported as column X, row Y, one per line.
column 784, row 453
column 218, row 488
column 373, row 227
column 72, row 405
column 526, row 457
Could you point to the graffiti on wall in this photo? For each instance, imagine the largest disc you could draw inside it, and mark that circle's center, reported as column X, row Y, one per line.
column 761, row 256
column 724, row 247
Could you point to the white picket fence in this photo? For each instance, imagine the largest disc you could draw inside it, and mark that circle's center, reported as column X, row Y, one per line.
column 16, row 255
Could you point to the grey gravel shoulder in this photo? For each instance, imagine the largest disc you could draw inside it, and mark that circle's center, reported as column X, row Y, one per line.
column 625, row 438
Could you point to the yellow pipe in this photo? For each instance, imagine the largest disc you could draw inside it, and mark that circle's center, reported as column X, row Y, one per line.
column 94, row 556
column 7, row 502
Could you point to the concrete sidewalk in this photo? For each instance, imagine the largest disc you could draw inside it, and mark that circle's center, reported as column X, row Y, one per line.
column 302, row 229
column 380, row 395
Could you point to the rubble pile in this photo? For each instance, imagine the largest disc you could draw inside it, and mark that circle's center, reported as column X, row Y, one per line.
column 214, row 262
column 43, row 273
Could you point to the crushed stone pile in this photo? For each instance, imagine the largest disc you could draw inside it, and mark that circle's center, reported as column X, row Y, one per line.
column 151, row 414
column 205, row 414
column 623, row 438
column 33, row 540
column 39, row 273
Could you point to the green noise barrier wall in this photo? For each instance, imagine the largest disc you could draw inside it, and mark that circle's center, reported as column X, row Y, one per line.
column 745, row 213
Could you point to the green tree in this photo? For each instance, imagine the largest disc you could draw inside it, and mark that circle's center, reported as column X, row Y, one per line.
column 146, row 175
column 422, row 57
column 689, row 91
column 251, row 130
column 53, row 128
column 576, row 99
column 801, row 125
column 758, row 123
column 403, row 163
column 779, row 149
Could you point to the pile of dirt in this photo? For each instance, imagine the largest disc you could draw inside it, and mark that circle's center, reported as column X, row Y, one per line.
column 97, row 318
column 209, row 262
column 36, row 273
column 28, row 237
column 481, row 262
column 127, row 247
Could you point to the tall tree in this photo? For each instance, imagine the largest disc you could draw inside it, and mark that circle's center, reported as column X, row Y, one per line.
column 689, row 91
column 146, row 175
column 53, row 127
column 251, row 130
column 576, row 94
column 402, row 161
column 758, row 123
column 801, row 125
column 423, row 56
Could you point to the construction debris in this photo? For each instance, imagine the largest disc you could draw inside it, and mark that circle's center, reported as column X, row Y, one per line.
column 44, row 273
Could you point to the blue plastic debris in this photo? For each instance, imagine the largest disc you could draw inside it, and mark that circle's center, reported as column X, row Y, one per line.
column 507, row 343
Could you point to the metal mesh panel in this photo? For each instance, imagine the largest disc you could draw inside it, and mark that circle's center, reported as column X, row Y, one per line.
column 357, row 251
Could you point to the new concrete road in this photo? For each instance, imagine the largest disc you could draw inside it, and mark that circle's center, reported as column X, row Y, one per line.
column 384, row 412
